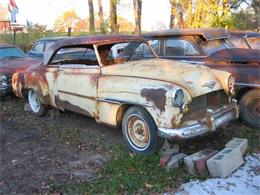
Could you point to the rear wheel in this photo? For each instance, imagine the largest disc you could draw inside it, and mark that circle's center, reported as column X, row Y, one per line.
column 35, row 104
column 140, row 131
column 250, row 108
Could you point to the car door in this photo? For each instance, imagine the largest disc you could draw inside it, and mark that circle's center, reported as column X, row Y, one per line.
column 77, row 79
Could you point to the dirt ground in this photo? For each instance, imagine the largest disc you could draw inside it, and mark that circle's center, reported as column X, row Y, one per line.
column 38, row 153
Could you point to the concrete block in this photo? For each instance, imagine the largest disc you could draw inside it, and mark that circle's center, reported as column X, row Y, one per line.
column 240, row 143
column 225, row 162
column 196, row 163
column 175, row 161
column 169, row 149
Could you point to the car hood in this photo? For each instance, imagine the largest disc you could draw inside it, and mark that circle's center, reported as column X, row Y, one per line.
column 10, row 66
column 194, row 78
column 236, row 55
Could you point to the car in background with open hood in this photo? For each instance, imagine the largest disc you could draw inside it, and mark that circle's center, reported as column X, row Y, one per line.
column 212, row 47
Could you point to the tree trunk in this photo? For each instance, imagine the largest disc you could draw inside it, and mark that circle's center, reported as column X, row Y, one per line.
column 190, row 17
column 173, row 12
column 101, row 17
column 113, row 16
column 138, row 15
column 91, row 17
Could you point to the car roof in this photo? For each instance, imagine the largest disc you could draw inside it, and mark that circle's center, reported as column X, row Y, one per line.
column 52, row 39
column 207, row 33
column 245, row 34
column 92, row 39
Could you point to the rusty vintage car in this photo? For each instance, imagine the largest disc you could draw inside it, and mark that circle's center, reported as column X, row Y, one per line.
column 212, row 47
column 12, row 59
column 152, row 99
column 245, row 39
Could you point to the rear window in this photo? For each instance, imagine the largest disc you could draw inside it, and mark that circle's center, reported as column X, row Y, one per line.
column 11, row 52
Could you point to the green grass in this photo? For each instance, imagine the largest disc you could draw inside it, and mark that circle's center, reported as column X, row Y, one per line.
column 131, row 173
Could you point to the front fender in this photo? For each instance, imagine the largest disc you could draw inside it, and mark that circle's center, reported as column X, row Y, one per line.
column 30, row 80
column 18, row 84
column 153, row 95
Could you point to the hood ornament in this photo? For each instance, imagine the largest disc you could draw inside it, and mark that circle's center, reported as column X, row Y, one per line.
column 210, row 84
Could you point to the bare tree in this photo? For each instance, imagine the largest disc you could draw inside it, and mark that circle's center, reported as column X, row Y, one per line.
column 173, row 13
column 138, row 15
column 113, row 16
column 101, row 16
column 91, row 17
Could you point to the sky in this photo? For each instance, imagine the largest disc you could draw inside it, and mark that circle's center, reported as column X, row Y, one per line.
column 156, row 13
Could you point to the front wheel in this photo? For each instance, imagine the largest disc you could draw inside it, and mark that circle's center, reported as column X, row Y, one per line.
column 250, row 108
column 35, row 104
column 140, row 131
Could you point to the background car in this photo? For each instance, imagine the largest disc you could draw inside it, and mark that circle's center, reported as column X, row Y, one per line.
column 12, row 60
column 151, row 99
column 42, row 45
column 246, row 39
column 212, row 47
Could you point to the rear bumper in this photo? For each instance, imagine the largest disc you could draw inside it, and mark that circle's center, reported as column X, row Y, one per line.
column 209, row 123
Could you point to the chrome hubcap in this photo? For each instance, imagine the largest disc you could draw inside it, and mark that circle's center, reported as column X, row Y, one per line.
column 34, row 101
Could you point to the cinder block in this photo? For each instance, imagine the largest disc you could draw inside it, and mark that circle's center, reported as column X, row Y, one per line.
column 240, row 143
column 175, row 161
column 225, row 162
column 196, row 163
column 169, row 149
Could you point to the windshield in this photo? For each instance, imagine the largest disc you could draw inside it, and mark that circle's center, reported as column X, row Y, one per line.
column 11, row 52
column 212, row 46
column 125, row 51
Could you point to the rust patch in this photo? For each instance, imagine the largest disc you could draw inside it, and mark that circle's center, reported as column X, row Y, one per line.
column 68, row 106
column 157, row 96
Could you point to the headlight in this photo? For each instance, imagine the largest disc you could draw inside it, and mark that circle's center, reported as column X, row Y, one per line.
column 3, row 77
column 178, row 98
column 231, row 84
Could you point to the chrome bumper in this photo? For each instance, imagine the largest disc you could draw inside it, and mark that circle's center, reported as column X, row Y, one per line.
column 210, row 122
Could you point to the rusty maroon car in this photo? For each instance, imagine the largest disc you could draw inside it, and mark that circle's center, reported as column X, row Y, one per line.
column 12, row 59
column 151, row 99
column 245, row 39
column 213, row 48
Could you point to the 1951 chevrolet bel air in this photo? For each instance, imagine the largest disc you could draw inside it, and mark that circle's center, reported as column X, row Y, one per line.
column 152, row 99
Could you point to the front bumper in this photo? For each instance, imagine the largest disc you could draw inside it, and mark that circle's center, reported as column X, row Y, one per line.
column 5, row 91
column 210, row 122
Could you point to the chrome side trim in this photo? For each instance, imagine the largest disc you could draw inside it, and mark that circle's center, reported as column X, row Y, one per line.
column 118, row 101
column 248, row 85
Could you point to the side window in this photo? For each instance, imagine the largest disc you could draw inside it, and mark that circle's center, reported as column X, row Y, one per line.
column 75, row 55
column 143, row 50
column 38, row 48
column 155, row 44
column 178, row 47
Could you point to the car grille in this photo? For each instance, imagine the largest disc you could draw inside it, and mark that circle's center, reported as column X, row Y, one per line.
column 199, row 105
column 213, row 99
column 9, row 80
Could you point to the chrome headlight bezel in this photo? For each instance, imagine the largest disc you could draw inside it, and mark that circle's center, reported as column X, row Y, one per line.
column 178, row 98
column 231, row 84
column 3, row 81
column 3, row 77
